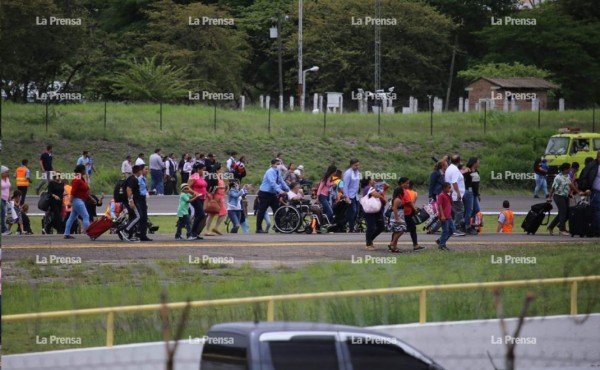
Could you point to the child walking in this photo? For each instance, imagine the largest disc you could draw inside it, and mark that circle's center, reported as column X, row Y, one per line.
column 186, row 197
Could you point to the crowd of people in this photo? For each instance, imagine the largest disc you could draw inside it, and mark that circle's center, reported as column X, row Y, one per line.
column 210, row 192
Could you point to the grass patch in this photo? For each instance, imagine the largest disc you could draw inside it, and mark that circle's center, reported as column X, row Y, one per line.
column 142, row 283
column 511, row 143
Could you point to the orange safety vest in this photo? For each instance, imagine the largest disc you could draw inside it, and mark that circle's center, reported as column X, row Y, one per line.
column 67, row 198
column 477, row 222
column 22, row 180
column 508, row 221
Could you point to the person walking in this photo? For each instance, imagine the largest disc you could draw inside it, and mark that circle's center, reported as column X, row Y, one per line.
column 80, row 193
column 133, row 209
column 217, row 194
column 272, row 185
column 126, row 167
column 198, row 185
column 157, row 172
column 186, row 197
column 187, row 168
column 23, row 176
column 436, row 179
column 397, row 219
column 471, row 198
column 562, row 187
column 235, row 207
column 589, row 183
column 142, row 205
column 541, row 174
column 375, row 224
column 5, row 179
column 409, row 211
column 171, row 174
column 351, row 192
column 444, row 206
column 46, row 167
column 456, row 179
column 56, row 189
column 323, row 194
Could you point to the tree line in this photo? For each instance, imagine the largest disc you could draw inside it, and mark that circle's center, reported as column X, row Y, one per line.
column 157, row 50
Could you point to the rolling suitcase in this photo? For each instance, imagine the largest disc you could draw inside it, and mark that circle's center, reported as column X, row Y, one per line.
column 99, row 227
column 581, row 220
column 535, row 217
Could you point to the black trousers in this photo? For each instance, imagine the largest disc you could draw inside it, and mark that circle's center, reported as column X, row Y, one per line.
column 138, row 217
column 375, row 226
column 199, row 215
column 23, row 190
column 412, row 228
column 265, row 200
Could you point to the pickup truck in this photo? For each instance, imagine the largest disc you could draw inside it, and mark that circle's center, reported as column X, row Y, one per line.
column 306, row 346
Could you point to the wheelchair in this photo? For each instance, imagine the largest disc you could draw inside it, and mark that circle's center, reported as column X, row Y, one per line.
column 300, row 217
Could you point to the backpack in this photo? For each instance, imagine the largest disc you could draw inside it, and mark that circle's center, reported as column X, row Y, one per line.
column 239, row 172
column 120, row 193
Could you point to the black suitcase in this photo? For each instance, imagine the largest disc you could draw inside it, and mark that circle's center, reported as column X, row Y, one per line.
column 535, row 217
column 581, row 220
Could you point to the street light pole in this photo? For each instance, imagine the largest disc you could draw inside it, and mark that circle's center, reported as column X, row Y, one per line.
column 303, row 95
column 279, row 50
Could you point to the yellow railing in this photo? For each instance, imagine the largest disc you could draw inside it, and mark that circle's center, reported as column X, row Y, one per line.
column 270, row 300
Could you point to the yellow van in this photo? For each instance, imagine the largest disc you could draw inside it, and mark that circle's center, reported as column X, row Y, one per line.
column 568, row 146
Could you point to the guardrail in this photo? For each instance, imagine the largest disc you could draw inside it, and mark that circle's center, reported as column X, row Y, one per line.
column 270, row 300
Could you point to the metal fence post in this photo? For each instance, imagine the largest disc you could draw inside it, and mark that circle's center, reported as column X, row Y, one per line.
column 271, row 310
column 574, row 298
column 110, row 329
column 423, row 307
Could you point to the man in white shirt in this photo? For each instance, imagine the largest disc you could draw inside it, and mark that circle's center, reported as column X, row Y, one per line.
column 157, row 174
column 455, row 178
column 126, row 167
column 231, row 161
column 140, row 160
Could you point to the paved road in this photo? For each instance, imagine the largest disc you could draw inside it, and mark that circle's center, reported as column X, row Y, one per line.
column 258, row 249
column 490, row 203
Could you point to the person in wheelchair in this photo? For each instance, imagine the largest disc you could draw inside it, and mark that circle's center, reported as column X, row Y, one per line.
column 296, row 196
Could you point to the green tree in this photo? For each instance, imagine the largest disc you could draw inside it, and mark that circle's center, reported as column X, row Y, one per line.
column 567, row 48
column 413, row 50
column 151, row 81
column 502, row 70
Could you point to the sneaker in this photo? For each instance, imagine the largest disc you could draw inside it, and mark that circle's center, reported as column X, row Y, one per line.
column 134, row 239
column 179, row 238
column 6, row 233
column 69, row 237
column 146, row 239
column 191, row 238
column 198, row 237
column 458, row 233
column 371, row 248
column 536, row 196
column 437, row 241
column 418, row 248
column 124, row 235
column 564, row 233
column 443, row 248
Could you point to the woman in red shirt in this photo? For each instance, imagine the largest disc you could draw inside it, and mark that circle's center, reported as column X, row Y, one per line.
column 198, row 185
column 80, row 193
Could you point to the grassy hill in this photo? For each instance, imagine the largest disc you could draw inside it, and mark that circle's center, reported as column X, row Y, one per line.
column 404, row 146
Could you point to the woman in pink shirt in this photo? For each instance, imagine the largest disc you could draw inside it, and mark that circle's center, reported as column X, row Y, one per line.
column 198, row 185
column 323, row 192
column 5, row 196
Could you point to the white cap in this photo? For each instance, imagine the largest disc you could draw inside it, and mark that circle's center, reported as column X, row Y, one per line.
column 4, row 169
column 301, row 168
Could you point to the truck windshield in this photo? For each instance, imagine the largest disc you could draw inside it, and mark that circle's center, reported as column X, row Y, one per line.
column 557, row 146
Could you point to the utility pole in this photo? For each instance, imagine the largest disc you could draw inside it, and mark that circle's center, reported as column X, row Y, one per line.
column 451, row 72
column 279, row 50
column 377, row 46
column 300, row 6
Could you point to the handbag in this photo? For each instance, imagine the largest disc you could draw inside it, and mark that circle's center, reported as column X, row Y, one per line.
column 212, row 206
column 420, row 216
column 44, row 202
column 370, row 204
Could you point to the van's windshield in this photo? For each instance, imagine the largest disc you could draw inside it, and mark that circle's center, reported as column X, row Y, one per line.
column 557, row 146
